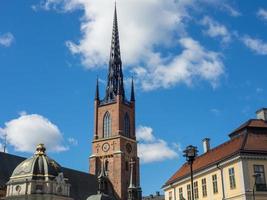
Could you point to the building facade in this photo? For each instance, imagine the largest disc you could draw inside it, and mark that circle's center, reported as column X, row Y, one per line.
column 114, row 143
column 235, row 169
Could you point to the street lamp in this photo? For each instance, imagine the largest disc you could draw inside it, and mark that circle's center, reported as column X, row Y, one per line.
column 255, row 183
column 191, row 153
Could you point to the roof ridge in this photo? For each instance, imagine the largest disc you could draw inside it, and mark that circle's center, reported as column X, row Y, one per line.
column 210, row 152
column 245, row 124
column 220, row 145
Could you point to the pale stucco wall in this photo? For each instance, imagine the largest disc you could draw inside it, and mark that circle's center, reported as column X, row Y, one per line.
column 244, row 180
column 248, row 164
column 236, row 193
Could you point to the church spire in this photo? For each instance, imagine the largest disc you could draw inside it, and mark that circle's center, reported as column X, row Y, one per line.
column 115, row 77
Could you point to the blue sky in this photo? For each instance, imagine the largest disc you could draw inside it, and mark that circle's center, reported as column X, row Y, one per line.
column 199, row 66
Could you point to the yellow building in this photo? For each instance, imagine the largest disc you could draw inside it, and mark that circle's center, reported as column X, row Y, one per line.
column 234, row 170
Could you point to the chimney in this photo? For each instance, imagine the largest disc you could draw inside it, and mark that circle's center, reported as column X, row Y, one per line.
column 262, row 114
column 206, row 144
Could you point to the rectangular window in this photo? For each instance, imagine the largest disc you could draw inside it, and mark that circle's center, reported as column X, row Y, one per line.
column 188, row 192
column 232, row 178
column 260, row 178
column 170, row 195
column 181, row 194
column 204, row 187
column 214, row 184
column 259, row 170
column 196, row 190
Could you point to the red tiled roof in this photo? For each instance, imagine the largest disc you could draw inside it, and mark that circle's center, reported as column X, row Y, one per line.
column 256, row 142
column 253, row 123
column 251, row 142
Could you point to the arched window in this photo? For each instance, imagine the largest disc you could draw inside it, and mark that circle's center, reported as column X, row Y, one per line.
column 127, row 125
column 106, row 165
column 107, row 125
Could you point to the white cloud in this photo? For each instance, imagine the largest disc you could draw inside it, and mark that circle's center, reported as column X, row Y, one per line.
column 6, row 39
column 2, row 140
column 73, row 141
column 142, row 38
column 1, row 147
column 262, row 13
column 21, row 113
column 177, row 146
column 145, row 133
column 215, row 111
column 155, row 152
column 138, row 38
column 195, row 62
column 223, row 5
column 26, row 131
column 233, row 12
column 256, row 45
column 215, row 29
column 151, row 149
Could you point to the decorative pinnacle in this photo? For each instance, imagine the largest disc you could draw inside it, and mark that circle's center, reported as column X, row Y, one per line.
column 132, row 185
column 40, row 150
column 132, row 91
column 97, row 90
column 102, row 179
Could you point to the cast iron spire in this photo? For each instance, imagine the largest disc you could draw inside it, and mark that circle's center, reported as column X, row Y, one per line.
column 115, row 77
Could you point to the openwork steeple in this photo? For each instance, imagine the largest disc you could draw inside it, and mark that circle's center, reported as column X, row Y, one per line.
column 115, row 77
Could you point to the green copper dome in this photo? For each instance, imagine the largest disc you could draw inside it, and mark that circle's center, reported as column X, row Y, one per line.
column 38, row 167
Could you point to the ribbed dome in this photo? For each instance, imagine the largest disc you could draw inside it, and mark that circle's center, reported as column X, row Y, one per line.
column 101, row 196
column 38, row 167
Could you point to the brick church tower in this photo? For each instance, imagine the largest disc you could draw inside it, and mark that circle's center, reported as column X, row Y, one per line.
column 114, row 144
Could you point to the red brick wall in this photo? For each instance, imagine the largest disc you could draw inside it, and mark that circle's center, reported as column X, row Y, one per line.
column 117, row 154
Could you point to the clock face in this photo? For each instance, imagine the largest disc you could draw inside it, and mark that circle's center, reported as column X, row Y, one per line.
column 105, row 147
column 128, row 148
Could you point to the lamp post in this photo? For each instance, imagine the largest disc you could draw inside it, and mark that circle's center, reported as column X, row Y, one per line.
column 255, row 183
column 190, row 153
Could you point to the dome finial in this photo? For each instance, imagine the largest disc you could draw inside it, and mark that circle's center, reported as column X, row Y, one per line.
column 40, row 150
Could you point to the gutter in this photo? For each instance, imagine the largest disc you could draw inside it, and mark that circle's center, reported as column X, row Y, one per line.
column 174, row 192
column 221, row 170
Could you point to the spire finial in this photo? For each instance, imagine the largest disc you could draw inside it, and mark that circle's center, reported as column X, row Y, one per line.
column 132, row 91
column 97, row 90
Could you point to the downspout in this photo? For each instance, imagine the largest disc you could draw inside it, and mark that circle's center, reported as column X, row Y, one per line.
column 221, row 170
column 174, row 192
